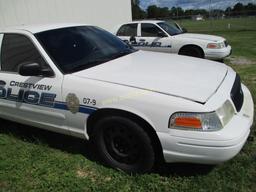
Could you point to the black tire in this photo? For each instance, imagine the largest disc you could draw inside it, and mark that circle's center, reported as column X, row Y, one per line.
column 192, row 51
column 220, row 60
column 123, row 144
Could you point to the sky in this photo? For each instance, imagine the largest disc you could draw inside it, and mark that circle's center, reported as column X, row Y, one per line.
column 193, row 4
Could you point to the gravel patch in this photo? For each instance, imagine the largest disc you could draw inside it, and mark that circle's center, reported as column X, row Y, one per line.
column 240, row 61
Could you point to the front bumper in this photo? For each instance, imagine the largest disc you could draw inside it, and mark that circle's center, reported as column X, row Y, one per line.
column 217, row 54
column 211, row 147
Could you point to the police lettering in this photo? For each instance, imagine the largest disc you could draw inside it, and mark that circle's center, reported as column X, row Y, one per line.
column 30, row 97
column 30, row 86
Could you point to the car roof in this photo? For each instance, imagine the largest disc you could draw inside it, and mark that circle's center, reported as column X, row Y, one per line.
column 146, row 21
column 37, row 28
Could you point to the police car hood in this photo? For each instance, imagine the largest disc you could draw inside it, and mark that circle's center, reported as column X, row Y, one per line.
column 203, row 37
column 181, row 76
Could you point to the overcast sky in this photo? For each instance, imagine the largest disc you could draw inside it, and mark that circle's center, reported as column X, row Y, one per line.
column 193, row 4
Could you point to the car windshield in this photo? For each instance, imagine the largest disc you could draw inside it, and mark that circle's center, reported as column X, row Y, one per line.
column 171, row 28
column 81, row 47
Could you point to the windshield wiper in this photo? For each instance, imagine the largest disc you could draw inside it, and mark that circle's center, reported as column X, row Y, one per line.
column 88, row 64
column 96, row 62
column 175, row 34
column 119, row 54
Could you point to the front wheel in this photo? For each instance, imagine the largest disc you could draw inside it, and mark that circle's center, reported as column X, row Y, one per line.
column 192, row 51
column 123, row 144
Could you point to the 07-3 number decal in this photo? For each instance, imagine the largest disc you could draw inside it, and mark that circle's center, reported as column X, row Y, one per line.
column 88, row 101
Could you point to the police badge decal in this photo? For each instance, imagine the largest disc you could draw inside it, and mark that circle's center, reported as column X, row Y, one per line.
column 72, row 102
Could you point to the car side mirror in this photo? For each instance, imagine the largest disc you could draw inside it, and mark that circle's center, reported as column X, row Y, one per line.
column 34, row 69
column 184, row 30
column 161, row 34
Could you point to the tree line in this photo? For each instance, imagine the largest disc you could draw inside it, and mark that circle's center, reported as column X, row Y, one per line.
column 154, row 11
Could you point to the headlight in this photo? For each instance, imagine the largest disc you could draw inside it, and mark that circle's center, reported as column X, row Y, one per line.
column 212, row 121
column 226, row 112
column 216, row 45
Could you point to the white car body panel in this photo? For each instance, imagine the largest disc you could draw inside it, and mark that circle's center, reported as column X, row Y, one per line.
column 173, row 44
column 160, row 76
column 203, row 37
column 152, row 86
column 214, row 147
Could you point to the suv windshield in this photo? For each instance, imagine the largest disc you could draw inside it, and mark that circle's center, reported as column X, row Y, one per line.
column 82, row 47
column 171, row 28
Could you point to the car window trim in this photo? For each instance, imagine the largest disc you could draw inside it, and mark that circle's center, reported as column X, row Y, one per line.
column 165, row 32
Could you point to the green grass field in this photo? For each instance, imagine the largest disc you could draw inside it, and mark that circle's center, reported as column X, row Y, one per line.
column 224, row 25
column 36, row 160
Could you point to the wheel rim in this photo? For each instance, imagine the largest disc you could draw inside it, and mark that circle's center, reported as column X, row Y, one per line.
column 122, row 144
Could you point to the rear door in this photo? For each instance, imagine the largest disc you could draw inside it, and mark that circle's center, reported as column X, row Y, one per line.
column 28, row 99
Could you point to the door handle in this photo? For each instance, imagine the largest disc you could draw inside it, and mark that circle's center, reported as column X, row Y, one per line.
column 2, row 82
column 142, row 40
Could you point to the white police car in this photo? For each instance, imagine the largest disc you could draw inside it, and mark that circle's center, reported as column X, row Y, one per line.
column 169, row 37
column 136, row 106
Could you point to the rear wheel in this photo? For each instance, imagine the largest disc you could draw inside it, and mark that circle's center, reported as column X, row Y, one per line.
column 123, row 144
column 192, row 51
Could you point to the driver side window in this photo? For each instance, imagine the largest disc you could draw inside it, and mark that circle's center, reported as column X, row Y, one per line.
column 150, row 30
column 17, row 49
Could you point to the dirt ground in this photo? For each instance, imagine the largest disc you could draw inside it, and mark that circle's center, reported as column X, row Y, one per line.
column 240, row 60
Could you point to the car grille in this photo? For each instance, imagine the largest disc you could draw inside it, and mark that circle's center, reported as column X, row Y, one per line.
column 226, row 43
column 237, row 94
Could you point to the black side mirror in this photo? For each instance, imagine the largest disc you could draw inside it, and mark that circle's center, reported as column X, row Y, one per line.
column 34, row 69
column 184, row 30
column 161, row 34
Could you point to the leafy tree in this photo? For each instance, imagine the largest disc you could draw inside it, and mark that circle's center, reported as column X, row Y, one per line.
column 238, row 8
column 174, row 11
column 153, row 11
column 137, row 12
column 250, row 9
column 157, row 12
column 163, row 12
column 228, row 11
column 191, row 12
column 180, row 11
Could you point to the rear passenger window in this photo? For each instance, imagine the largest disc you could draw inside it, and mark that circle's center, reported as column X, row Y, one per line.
column 17, row 49
column 128, row 30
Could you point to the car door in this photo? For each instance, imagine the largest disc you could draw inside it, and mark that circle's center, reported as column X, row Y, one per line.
column 152, row 38
column 129, row 33
column 33, row 100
